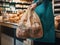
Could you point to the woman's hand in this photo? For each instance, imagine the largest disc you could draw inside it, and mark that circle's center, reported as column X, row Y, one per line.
column 33, row 6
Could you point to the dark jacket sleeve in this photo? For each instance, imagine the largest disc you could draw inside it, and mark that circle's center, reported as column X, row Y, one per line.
column 38, row 2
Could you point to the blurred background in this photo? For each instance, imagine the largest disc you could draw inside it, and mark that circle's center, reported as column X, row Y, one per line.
column 10, row 14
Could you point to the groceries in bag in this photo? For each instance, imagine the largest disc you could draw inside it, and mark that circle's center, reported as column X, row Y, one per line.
column 29, row 26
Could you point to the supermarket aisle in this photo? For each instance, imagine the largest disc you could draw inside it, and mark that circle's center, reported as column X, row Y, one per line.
column 8, row 37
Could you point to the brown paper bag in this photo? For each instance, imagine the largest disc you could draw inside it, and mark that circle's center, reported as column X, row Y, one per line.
column 29, row 26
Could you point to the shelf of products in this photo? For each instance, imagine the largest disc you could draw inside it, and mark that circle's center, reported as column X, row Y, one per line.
column 11, row 15
column 22, row 3
column 56, row 7
column 13, row 10
column 10, row 25
column 57, row 13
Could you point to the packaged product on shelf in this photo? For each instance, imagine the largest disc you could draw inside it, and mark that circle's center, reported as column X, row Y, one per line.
column 14, row 20
column 57, row 22
column 18, row 5
column 13, row 17
column 25, row 6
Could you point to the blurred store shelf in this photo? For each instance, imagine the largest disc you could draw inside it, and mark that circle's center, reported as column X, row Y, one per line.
column 8, row 24
column 56, row 7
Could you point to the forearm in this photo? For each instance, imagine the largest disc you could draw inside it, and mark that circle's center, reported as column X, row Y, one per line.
column 38, row 2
